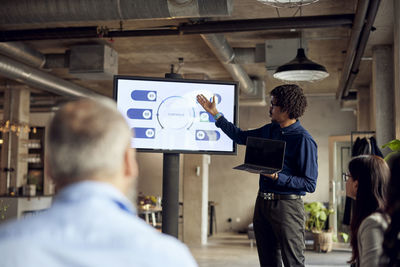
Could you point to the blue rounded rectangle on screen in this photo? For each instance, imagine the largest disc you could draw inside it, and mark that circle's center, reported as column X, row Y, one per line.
column 144, row 95
column 148, row 133
column 140, row 114
column 207, row 135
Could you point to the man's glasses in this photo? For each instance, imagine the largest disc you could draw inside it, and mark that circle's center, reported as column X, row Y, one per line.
column 274, row 105
column 345, row 176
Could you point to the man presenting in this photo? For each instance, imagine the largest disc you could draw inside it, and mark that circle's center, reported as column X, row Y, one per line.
column 91, row 221
column 279, row 217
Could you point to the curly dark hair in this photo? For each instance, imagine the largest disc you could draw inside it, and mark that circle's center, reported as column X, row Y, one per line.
column 290, row 98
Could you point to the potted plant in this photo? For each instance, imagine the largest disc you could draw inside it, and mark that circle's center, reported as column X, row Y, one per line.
column 317, row 215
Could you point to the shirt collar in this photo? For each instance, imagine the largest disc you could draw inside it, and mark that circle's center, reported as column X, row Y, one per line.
column 290, row 128
column 94, row 189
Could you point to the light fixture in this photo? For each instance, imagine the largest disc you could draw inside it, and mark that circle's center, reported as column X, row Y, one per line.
column 287, row 3
column 15, row 127
column 301, row 69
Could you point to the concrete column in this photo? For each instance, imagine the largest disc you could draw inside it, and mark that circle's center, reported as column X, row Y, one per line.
column 382, row 85
column 363, row 109
column 195, row 198
column 14, row 167
column 396, row 50
column 372, row 102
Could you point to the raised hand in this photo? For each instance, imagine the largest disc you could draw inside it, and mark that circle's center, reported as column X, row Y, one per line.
column 208, row 106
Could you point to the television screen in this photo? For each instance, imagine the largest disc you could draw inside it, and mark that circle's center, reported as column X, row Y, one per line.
column 165, row 117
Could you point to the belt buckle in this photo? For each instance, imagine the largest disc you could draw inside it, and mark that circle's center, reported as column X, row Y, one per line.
column 269, row 196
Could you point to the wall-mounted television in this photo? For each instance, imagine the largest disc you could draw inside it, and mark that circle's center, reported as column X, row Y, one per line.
column 165, row 117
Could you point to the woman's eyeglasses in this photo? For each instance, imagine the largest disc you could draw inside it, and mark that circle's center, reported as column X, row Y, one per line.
column 345, row 176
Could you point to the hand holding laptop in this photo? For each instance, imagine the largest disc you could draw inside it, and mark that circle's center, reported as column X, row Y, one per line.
column 273, row 176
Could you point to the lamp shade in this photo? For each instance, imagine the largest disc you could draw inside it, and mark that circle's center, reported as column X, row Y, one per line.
column 301, row 69
column 287, row 3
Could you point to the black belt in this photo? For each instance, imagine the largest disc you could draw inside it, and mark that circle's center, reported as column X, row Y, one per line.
column 274, row 196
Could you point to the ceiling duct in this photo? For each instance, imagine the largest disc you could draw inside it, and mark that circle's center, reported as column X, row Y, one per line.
column 23, row 53
column 257, row 100
column 47, row 11
column 224, row 52
column 20, row 72
column 93, row 62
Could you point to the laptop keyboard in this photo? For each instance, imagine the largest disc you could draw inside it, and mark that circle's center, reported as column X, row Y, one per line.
column 262, row 170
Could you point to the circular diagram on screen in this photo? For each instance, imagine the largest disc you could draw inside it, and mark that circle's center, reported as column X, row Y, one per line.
column 175, row 113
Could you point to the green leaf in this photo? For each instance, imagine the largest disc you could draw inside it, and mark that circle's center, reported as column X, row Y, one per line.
column 388, row 156
column 394, row 145
column 345, row 237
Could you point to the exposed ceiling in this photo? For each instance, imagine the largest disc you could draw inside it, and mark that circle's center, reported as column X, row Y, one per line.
column 153, row 55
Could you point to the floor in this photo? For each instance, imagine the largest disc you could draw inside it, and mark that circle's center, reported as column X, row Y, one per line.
column 234, row 250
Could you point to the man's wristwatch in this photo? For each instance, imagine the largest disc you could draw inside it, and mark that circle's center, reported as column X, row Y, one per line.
column 218, row 115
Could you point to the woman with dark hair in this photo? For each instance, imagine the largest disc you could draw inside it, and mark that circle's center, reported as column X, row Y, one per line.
column 367, row 184
column 391, row 243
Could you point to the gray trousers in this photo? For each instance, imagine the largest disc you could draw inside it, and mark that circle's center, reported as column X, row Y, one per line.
column 279, row 230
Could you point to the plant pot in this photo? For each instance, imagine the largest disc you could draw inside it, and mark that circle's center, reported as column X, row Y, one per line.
column 323, row 242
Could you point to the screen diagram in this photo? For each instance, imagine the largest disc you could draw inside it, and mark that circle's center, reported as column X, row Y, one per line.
column 165, row 115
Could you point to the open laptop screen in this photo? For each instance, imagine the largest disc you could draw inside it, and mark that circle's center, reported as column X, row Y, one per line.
column 264, row 152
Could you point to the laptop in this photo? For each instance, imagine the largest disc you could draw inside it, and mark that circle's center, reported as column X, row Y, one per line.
column 264, row 156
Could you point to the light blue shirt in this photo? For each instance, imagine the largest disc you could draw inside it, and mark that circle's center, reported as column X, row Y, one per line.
column 89, row 224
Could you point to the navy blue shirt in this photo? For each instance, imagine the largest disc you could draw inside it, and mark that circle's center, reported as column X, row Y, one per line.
column 300, row 168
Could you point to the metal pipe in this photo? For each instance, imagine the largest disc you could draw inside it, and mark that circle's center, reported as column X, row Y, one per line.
column 208, row 27
column 15, row 70
column 365, row 17
column 344, row 20
column 224, row 52
column 50, row 34
column 23, row 53
column 358, row 25
column 374, row 5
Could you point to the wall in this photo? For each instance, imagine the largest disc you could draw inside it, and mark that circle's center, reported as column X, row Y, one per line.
column 323, row 118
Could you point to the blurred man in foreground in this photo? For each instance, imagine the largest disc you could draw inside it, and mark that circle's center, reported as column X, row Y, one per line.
column 91, row 222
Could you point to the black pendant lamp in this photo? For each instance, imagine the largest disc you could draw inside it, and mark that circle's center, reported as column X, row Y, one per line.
column 301, row 69
column 287, row 3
